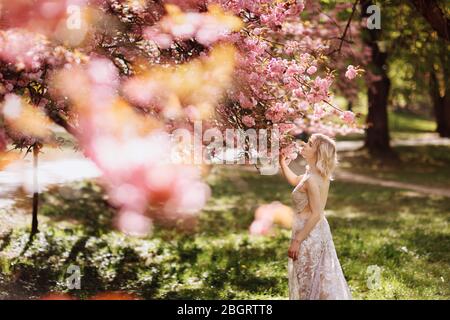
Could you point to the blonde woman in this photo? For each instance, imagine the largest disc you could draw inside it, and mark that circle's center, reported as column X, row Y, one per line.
column 314, row 270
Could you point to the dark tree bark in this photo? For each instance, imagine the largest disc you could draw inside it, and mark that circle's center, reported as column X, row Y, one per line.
column 34, row 221
column 440, row 89
column 446, row 106
column 60, row 121
column 430, row 10
column 350, row 106
column 441, row 105
column 377, row 132
column 437, row 19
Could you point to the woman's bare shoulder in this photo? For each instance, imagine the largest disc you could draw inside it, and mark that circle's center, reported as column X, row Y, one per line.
column 315, row 181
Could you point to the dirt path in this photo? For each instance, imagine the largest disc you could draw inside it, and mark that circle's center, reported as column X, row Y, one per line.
column 424, row 140
column 358, row 178
column 343, row 175
column 16, row 181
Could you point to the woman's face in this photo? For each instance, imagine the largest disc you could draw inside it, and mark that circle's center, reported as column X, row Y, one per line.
column 309, row 149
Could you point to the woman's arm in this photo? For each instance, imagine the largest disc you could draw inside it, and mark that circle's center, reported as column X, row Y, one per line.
column 290, row 176
column 316, row 211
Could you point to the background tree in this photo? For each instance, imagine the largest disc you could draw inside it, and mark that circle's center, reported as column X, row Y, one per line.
column 377, row 133
column 413, row 39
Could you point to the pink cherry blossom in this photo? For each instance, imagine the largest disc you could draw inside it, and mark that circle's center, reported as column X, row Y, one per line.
column 319, row 111
column 348, row 117
column 248, row 121
column 260, row 227
column 163, row 40
column 134, row 223
column 205, row 27
column 245, row 102
column 25, row 50
column 351, row 72
column 311, row 70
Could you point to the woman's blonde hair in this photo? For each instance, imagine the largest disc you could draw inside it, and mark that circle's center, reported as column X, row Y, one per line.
column 326, row 154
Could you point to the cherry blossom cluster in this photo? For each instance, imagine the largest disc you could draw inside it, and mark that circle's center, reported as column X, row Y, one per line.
column 284, row 74
column 132, row 152
column 136, row 70
column 206, row 28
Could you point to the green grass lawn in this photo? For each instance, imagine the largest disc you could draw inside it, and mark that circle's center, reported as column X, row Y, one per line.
column 402, row 125
column 402, row 121
column 407, row 235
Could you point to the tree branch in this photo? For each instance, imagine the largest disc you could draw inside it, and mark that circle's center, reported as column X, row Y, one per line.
column 349, row 21
column 431, row 11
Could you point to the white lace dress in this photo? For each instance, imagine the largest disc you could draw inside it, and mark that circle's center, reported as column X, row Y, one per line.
column 317, row 273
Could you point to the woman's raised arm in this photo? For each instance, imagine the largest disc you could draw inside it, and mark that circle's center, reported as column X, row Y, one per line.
column 290, row 176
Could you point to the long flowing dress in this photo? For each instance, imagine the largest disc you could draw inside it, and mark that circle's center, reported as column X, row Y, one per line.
column 317, row 273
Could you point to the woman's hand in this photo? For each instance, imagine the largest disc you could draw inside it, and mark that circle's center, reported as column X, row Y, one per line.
column 293, row 249
column 282, row 158
column 290, row 176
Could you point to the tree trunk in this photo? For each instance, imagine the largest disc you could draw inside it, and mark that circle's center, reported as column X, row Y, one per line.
column 440, row 91
column 431, row 12
column 441, row 106
column 446, row 106
column 377, row 132
column 34, row 221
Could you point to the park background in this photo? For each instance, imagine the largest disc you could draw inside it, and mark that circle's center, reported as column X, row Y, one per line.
column 389, row 205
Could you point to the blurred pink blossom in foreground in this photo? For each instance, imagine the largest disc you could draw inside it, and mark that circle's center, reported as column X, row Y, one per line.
column 206, row 28
column 24, row 49
column 132, row 152
column 269, row 214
